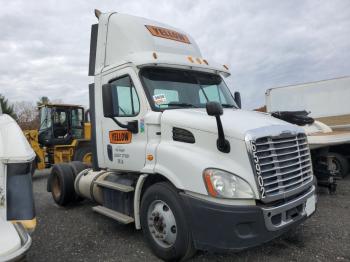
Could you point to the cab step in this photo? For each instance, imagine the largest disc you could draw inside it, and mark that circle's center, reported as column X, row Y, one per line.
column 122, row 218
column 114, row 186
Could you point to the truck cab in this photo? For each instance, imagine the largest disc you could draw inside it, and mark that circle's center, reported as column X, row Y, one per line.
column 17, row 214
column 174, row 153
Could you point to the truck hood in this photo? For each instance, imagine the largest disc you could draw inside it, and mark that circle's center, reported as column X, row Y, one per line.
column 236, row 122
column 13, row 144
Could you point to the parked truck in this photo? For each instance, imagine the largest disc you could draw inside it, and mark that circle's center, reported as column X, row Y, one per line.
column 173, row 152
column 17, row 214
column 327, row 103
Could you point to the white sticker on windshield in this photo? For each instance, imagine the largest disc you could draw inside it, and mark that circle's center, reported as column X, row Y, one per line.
column 159, row 99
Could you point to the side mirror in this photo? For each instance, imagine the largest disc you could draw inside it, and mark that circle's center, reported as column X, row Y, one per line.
column 109, row 109
column 215, row 109
column 238, row 99
column 107, row 100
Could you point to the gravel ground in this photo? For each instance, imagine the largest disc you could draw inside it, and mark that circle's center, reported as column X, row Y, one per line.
column 78, row 234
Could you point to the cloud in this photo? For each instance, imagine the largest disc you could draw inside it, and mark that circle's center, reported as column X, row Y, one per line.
column 44, row 45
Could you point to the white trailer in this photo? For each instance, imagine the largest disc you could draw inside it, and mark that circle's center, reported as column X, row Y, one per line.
column 174, row 153
column 328, row 103
column 17, row 215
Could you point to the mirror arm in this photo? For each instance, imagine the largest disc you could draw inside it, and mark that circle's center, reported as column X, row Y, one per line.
column 222, row 144
column 131, row 126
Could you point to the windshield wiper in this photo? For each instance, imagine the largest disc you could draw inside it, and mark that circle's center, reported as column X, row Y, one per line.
column 228, row 106
column 179, row 105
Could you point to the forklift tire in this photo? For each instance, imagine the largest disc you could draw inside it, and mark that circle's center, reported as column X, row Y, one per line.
column 341, row 163
column 82, row 153
column 171, row 239
column 62, row 184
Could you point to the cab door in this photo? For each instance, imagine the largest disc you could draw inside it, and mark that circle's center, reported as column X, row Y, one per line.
column 123, row 149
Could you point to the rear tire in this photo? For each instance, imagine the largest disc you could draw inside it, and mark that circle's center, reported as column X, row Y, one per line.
column 164, row 224
column 77, row 167
column 341, row 164
column 62, row 184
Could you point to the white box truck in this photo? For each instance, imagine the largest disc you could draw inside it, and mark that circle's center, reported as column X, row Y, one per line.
column 17, row 214
column 327, row 102
column 173, row 152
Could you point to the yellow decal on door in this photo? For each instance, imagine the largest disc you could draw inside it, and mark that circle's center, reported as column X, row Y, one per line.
column 120, row 137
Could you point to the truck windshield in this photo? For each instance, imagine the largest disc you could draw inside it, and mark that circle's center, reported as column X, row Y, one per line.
column 171, row 88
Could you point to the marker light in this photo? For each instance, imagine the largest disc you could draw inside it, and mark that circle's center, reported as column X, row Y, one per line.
column 190, row 59
column 198, row 61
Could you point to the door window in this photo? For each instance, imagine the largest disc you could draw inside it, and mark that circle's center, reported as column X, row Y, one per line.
column 125, row 99
column 60, row 123
column 77, row 123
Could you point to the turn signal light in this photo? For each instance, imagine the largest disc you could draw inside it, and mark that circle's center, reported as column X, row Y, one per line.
column 209, row 184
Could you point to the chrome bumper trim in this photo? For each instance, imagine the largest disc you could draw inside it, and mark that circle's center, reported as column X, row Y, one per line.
column 282, row 210
column 26, row 242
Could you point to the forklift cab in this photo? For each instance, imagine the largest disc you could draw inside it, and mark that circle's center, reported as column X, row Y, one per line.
column 60, row 124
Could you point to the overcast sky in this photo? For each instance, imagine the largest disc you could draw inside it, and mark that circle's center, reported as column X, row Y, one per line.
column 44, row 44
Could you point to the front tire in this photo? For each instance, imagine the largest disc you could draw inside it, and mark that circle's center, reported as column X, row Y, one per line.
column 62, row 184
column 164, row 223
column 83, row 154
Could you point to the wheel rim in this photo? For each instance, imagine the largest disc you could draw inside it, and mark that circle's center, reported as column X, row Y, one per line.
column 87, row 158
column 56, row 187
column 336, row 167
column 162, row 223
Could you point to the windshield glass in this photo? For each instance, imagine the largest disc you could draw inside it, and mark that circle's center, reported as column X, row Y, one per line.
column 45, row 118
column 171, row 88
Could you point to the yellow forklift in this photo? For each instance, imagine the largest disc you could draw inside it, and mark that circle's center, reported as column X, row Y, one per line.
column 64, row 135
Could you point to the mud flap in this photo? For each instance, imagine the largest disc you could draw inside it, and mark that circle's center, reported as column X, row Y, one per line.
column 20, row 200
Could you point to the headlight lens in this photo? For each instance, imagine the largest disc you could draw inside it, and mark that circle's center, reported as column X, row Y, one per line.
column 223, row 184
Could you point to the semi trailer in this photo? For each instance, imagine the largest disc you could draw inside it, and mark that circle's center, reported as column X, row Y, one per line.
column 17, row 214
column 174, row 153
column 326, row 100
column 326, row 103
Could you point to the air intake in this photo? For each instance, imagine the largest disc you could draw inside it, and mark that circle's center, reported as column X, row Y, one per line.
column 183, row 135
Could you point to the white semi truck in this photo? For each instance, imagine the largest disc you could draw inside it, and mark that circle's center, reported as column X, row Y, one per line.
column 17, row 215
column 173, row 152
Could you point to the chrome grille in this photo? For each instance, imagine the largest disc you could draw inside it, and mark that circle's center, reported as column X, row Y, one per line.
column 283, row 164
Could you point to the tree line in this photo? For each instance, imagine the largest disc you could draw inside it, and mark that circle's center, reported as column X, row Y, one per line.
column 24, row 112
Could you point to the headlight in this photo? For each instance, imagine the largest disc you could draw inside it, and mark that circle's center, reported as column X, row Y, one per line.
column 223, row 184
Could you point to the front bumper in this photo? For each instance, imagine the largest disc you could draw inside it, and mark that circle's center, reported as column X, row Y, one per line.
column 26, row 242
column 217, row 227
